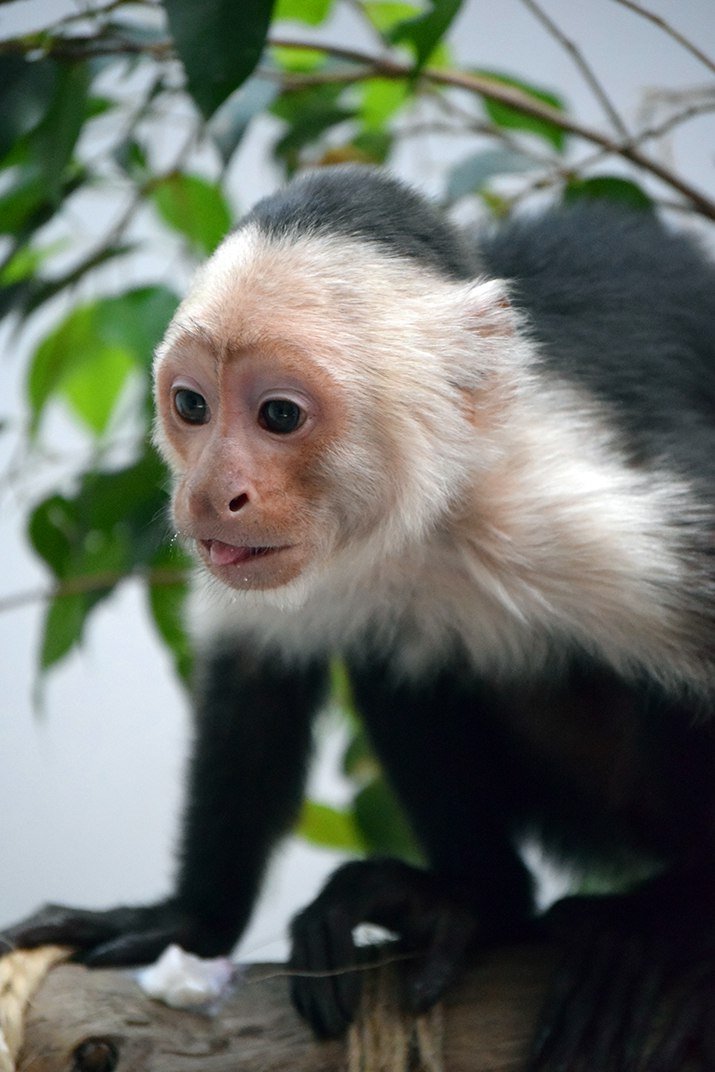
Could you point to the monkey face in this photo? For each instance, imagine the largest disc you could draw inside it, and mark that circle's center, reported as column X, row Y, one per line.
column 247, row 433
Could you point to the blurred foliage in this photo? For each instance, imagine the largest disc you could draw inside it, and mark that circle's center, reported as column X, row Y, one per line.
column 121, row 132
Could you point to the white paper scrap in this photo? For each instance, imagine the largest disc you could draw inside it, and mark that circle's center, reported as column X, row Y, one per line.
column 185, row 981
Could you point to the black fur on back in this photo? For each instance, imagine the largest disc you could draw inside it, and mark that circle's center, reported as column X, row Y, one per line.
column 624, row 308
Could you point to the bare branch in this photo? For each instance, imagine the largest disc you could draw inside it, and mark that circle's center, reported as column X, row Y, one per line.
column 85, row 47
column 666, row 27
column 580, row 60
column 652, row 133
column 94, row 582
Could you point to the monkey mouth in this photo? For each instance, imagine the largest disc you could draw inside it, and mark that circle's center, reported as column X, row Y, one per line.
column 219, row 553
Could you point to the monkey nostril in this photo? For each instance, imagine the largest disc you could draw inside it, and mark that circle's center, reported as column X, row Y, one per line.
column 238, row 503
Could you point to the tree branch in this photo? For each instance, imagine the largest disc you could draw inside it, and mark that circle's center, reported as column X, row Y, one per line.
column 511, row 96
column 580, row 61
column 666, row 27
column 94, row 582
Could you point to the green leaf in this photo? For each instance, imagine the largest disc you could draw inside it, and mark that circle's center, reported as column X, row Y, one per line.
column 87, row 358
column 114, row 524
column 25, row 206
column 41, row 290
column 330, row 827
column 167, row 603
column 298, row 60
column 22, row 201
column 195, row 208
column 426, row 31
column 381, row 98
column 219, row 43
column 309, row 113
column 471, row 175
column 359, row 761
column 372, row 146
column 92, row 387
column 137, row 320
column 57, row 354
column 24, row 262
column 63, row 627
column 312, row 12
column 610, row 188
column 26, row 90
column 54, row 139
column 129, row 155
column 52, row 530
column 386, row 16
column 509, row 118
column 130, row 501
column 382, row 823
column 341, row 692
column 228, row 125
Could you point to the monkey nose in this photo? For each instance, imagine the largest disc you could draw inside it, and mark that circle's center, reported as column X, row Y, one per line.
column 238, row 503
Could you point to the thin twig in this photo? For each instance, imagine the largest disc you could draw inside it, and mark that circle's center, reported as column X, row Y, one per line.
column 670, row 30
column 85, row 47
column 93, row 582
column 380, row 39
column 653, row 132
column 583, row 65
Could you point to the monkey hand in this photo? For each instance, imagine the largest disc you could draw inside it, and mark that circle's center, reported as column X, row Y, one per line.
column 118, row 936
column 434, row 930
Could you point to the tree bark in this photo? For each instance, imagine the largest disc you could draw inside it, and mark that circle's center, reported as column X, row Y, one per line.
column 98, row 1021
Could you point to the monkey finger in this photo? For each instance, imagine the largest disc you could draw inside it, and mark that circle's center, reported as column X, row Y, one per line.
column 140, row 947
column 439, row 965
column 324, row 990
column 62, row 925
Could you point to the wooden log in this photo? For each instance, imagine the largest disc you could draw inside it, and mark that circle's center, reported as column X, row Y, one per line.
column 99, row 1021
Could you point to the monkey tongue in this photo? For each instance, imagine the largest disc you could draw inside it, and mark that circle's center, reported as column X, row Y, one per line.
column 225, row 554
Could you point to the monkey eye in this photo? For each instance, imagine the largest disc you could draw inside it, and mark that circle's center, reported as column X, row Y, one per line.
column 281, row 416
column 191, row 406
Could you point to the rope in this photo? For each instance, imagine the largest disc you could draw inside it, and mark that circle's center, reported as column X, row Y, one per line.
column 21, row 973
column 385, row 1038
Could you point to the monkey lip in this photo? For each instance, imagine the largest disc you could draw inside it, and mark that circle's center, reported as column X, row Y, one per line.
column 227, row 554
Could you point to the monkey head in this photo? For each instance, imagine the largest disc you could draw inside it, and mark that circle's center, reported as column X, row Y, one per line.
column 316, row 403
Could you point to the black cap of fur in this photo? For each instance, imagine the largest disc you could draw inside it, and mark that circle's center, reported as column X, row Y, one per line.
column 361, row 202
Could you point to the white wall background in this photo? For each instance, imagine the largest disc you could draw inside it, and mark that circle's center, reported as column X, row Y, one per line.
column 90, row 792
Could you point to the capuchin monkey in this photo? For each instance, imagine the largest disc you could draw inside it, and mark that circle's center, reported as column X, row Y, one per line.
column 481, row 471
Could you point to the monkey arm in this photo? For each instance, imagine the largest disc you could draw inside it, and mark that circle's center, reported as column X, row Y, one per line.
column 444, row 756
column 246, row 780
column 253, row 735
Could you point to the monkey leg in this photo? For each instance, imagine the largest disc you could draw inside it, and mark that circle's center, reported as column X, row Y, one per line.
column 636, row 990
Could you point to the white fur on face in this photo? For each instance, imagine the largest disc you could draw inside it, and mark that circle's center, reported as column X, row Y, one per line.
column 503, row 517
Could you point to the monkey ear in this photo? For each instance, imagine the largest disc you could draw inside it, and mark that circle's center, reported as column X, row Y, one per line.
column 493, row 343
column 487, row 310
